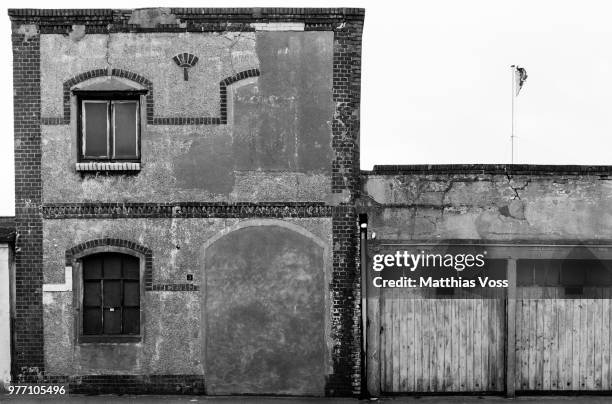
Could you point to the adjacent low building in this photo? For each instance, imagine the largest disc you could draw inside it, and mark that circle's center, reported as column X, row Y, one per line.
column 547, row 230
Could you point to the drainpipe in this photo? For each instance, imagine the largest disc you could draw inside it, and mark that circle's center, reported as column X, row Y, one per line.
column 363, row 248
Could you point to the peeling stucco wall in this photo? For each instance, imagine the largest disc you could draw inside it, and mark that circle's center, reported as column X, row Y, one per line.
column 276, row 145
column 409, row 206
column 173, row 339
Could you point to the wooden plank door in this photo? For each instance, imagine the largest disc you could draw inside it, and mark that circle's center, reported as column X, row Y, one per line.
column 440, row 344
column 563, row 343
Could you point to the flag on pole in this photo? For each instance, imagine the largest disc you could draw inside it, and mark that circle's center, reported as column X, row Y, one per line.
column 520, row 75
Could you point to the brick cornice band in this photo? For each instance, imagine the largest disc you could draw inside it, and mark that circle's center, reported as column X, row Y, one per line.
column 116, row 20
column 185, row 210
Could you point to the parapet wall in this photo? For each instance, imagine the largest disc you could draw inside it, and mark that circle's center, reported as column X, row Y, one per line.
column 489, row 202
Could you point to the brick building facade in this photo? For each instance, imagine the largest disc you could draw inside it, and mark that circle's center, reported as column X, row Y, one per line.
column 228, row 136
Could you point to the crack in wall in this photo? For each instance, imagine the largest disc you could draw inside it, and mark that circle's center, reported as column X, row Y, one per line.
column 107, row 55
column 517, row 189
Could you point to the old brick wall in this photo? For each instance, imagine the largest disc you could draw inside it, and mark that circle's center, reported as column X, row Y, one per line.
column 487, row 202
column 266, row 128
column 28, row 327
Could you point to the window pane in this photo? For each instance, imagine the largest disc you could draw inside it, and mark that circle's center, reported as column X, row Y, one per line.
column 112, row 266
column 552, row 273
column 112, row 293
column 91, row 294
column 92, row 321
column 131, row 321
column 95, row 127
column 131, row 294
column 573, row 273
column 112, row 321
column 495, row 268
column 125, row 128
column 92, row 267
column 539, row 272
column 598, row 273
column 131, row 267
column 524, row 272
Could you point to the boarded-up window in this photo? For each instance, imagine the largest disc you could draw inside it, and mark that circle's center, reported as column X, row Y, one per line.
column 111, row 294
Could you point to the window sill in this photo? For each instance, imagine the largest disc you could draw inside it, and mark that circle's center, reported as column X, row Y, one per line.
column 109, row 338
column 99, row 166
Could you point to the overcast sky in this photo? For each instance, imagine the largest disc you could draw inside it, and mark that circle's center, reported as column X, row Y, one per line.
column 436, row 80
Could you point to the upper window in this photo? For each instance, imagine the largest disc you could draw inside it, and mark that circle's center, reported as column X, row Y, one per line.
column 573, row 273
column 109, row 128
column 111, row 296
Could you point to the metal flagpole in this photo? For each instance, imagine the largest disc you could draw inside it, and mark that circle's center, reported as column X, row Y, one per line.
column 512, row 69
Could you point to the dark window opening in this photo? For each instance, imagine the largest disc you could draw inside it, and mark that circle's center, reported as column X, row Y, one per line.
column 111, row 295
column 445, row 291
column 573, row 274
column 109, row 127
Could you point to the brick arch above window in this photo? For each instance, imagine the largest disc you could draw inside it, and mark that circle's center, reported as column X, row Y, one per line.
column 79, row 78
column 82, row 248
column 150, row 115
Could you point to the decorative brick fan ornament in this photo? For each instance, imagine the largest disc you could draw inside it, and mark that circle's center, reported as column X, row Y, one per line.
column 185, row 60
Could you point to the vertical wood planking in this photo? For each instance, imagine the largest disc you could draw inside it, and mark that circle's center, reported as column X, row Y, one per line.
column 418, row 368
column 499, row 349
column 547, row 336
column 575, row 345
column 412, row 346
column 448, row 346
column 462, row 346
column 477, row 345
column 430, row 343
column 540, row 334
column 597, row 344
column 440, row 328
column 562, row 352
column 397, row 339
column 455, row 334
column 563, row 344
column 440, row 345
column 570, row 364
column 582, row 345
column 404, row 317
column 554, row 343
column 605, row 342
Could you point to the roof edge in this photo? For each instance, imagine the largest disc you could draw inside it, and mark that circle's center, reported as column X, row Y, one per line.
column 255, row 13
column 515, row 169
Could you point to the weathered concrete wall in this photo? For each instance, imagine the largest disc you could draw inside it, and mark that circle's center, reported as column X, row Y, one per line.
column 276, row 145
column 539, row 206
column 277, row 258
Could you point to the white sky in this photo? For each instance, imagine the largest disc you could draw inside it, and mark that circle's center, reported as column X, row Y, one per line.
column 436, row 81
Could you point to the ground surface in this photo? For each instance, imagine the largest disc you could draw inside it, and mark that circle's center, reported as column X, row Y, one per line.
column 284, row 400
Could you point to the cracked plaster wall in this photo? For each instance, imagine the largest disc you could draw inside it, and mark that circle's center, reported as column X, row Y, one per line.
column 487, row 206
column 276, row 145
column 172, row 327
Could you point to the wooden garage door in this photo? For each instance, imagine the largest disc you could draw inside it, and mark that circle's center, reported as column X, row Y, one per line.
column 434, row 344
column 563, row 317
column 563, row 344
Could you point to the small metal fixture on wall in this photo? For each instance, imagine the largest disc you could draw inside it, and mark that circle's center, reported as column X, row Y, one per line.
column 185, row 60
